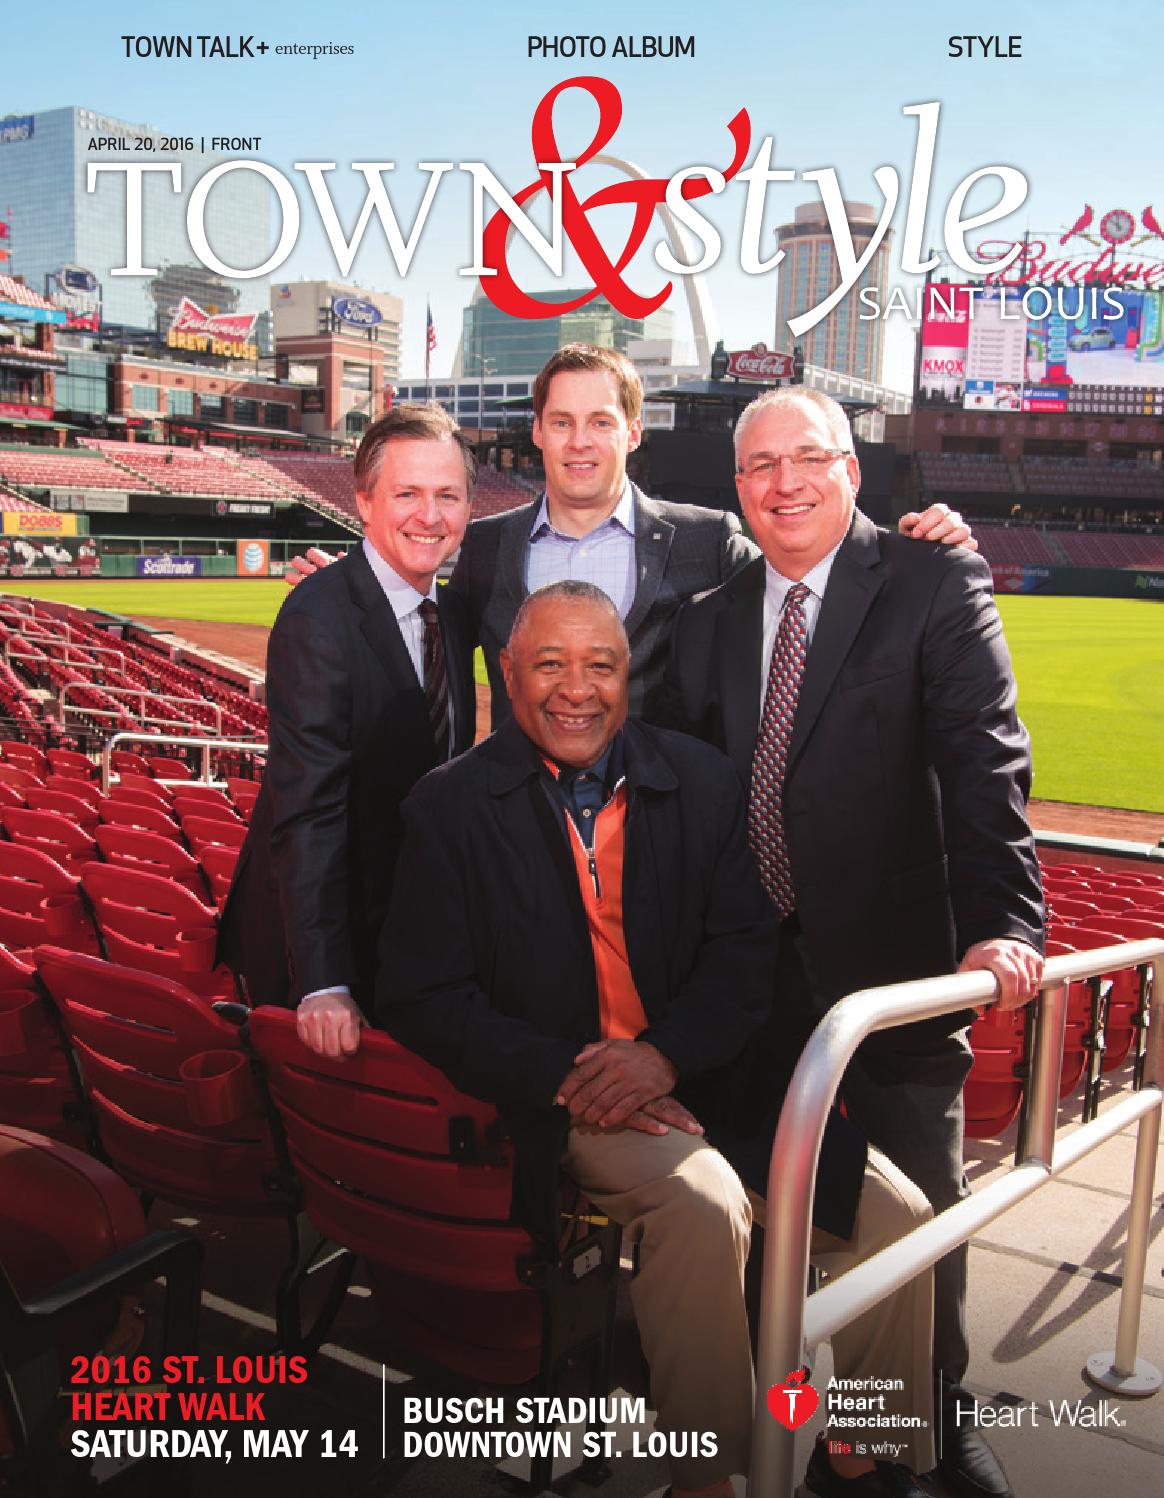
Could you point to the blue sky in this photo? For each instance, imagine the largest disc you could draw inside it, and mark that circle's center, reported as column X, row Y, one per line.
column 1077, row 113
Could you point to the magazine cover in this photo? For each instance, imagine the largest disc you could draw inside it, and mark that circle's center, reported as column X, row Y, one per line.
column 231, row 239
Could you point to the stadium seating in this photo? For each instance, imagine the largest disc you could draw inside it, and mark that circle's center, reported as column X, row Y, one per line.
column 400, row 1168
column 151, row 853
column 71, row 1245
column 51, row 833
column 148, row 921
column 39, row 1086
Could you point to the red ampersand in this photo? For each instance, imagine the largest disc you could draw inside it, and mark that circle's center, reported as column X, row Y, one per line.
column 645, row 195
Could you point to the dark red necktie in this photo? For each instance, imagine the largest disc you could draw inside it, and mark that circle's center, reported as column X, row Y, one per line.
column 436, row 681
column 766, row 802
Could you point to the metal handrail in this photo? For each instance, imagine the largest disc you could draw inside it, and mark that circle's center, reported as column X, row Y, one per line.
column 789, row 1322
column 175, row 741
column 141, row 693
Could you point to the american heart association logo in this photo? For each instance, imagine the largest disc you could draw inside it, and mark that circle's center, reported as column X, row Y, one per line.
column 793, row 1402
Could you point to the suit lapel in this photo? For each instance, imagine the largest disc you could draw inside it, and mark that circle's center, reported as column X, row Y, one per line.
column 511, row 554
column 653, row 537
column 739, row 649
column 854, row 582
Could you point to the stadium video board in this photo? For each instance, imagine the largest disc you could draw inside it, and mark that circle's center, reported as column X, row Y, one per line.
column 1040, row 349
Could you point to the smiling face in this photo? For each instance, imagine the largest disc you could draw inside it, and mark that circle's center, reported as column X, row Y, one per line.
column 585, row 437
column 796, row 516
column 565, row 670
column 418, row 508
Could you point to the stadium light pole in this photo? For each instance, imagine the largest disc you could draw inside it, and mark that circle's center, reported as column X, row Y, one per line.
column 487, row 367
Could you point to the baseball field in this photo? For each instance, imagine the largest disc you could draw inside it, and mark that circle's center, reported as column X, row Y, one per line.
column 1090, row 673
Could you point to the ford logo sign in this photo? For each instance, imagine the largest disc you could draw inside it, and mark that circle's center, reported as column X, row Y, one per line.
column 355, row 310
column 76, row 278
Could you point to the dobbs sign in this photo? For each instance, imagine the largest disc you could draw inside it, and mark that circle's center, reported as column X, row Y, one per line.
column 38, row 523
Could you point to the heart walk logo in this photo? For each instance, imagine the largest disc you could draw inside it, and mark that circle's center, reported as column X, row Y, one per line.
column 793, row 1402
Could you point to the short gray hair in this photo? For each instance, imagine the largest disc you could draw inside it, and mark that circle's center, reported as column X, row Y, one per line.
column 573, row 589
column 834, row 413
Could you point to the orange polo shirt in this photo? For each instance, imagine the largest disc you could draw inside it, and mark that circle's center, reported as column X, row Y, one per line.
column 599, row 870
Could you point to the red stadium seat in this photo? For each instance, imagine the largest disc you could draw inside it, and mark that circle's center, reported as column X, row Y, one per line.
column 39, row 1088
column 1124, row 999
column 83, row 790
column 123, row 762
column 71, row 1245
column 10, row 796
column 164, row 767
column 993, row 1092
column 218, row 864
column 139, row 796
column 1070, row 907
column 133, row 1031
column 206, row 832
column 28, row 879
column 76, row 808
column 51, row 833
column 399, row 1167
column 162, row 794
column 69, row 762
column 153, row 854
column 17, row 777
column 119, row 813
column 26, row 756
column 219, row 810
column 147, row 921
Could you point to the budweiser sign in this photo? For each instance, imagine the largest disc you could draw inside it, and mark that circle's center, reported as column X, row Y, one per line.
column 759, row 363
column 190, row 318
column 1113, row 256
column 226, row 334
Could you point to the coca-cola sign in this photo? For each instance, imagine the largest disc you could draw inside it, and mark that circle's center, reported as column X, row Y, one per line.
column 759, row 363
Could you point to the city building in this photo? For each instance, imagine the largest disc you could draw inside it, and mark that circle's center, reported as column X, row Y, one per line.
column 497, row 346
column 56, row 224
column 841, row 341
column 341, row 345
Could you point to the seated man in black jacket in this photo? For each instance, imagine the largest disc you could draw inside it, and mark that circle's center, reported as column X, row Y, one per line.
column 578, row 933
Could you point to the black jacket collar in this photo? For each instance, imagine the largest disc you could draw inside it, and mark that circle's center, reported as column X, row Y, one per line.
column 513, row 759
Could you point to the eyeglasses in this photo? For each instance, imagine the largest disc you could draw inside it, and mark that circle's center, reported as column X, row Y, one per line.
column 812, row 461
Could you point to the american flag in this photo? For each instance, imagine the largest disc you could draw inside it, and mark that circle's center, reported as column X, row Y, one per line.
column 430, row 339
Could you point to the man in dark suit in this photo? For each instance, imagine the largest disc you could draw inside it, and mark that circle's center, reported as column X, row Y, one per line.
column 577, row 933
column 862, row 687
column 593, row 524
column 368, row 687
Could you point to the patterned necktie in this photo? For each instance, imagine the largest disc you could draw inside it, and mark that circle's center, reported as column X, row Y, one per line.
column 436, row 681
column 765, row 805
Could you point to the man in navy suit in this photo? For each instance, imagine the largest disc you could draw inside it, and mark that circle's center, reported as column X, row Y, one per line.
column 369, row 687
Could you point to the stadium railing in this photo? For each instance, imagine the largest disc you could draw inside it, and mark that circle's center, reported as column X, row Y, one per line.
column 790, row 1322
column 238, row 747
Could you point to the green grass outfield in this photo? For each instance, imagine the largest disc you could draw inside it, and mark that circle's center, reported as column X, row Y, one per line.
column 1090, row 672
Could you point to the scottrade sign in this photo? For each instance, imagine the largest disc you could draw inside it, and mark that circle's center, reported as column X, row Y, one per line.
column 358, row 312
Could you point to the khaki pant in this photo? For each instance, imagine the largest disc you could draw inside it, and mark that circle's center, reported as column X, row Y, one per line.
column 680, row 1201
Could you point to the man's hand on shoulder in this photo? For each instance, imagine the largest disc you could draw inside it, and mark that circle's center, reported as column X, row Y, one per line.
column 1016, row 965
column 938, row 523
column 300, row 567
column 328, row 1023
column 612, row 1080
